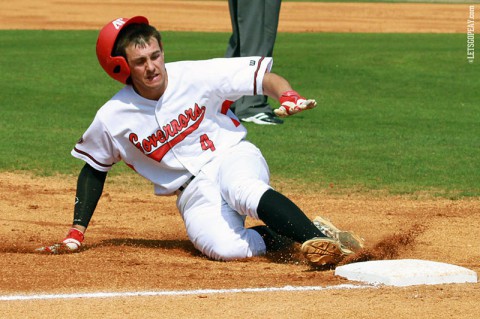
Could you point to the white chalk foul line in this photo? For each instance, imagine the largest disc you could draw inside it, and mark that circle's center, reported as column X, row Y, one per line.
column 177, row 292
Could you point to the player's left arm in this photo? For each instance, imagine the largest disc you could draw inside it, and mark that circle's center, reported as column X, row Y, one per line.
column 89, row 189
column 280, row 89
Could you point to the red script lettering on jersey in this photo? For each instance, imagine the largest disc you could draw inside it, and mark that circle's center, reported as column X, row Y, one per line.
column 170, row 134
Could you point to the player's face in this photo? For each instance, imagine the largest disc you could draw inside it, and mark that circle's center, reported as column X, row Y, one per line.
column 147, row 69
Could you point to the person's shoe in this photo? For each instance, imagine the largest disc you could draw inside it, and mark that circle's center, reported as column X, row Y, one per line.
column 324, row 251
column 347, row 239
column 263, row 119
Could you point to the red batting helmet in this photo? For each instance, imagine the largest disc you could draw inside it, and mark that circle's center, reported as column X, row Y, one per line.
column 115, row 66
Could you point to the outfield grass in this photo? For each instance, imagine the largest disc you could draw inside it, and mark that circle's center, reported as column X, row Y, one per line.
column 396, row 112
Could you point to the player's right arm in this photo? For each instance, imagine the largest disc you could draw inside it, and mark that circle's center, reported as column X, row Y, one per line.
column 280, row 89
column 89, row 189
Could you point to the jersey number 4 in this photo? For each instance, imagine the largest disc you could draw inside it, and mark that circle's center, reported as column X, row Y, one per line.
column 206, row 143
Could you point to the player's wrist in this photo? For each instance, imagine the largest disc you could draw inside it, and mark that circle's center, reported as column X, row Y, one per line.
column 290, row 93
column 80, row 228
column 74, row 239
column 290, row 98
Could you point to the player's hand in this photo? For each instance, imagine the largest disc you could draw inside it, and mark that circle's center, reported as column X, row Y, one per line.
column 71, row 243
column 292, row 103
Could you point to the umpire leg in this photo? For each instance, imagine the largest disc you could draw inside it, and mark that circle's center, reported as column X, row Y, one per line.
column 254, row 26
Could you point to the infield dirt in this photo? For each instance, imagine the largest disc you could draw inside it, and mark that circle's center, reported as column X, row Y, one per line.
column 137, row 242
column 198, row 15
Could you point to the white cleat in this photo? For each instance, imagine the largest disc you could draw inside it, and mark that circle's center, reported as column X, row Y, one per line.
column 347, row 239
column 323, row 251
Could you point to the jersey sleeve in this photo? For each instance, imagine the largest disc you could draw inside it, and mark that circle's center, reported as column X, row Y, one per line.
column 96, row 147
column 243, row 76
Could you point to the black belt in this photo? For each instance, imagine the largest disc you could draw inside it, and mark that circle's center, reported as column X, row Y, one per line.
column 182, row 188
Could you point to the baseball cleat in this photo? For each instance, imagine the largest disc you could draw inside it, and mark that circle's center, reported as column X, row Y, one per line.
column 263, row 119
column 322, row 251
column 347, row 239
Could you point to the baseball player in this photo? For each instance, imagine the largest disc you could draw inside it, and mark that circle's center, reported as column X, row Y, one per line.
column 171, row 123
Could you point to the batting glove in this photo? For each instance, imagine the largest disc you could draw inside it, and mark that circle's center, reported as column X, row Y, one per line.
column 71, row 243
column 292, row 103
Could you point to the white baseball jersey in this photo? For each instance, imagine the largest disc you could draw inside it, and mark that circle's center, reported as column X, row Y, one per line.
column 168, row 140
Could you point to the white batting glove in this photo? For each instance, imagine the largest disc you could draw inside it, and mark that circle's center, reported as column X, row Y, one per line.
column 71, row 243
column 292, row 103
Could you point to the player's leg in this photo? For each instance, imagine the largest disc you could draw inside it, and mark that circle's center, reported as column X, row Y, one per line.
column 248, row 108
column 273, row 241
column 244, row 181
column 254, row 29
column 285, row 217
column 233, row 47
column 213, row 226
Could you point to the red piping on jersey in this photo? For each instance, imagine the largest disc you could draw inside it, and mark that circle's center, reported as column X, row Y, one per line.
column 225, row 107
column 91, row 157
column 255, row 75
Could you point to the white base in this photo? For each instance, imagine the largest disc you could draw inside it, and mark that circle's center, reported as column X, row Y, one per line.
column 406, row 272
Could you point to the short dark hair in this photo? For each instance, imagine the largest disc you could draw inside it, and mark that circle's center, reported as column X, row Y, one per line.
column 137, row 33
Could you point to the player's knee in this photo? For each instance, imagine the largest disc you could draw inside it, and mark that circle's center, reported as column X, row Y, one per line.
column 225, row 253
column 245, row 196
column 249, row 244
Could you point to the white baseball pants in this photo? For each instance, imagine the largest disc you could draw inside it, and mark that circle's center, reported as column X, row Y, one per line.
column 215, row 204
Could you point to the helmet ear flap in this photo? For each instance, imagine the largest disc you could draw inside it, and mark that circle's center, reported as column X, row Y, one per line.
column 119, row 69
column 115, row 66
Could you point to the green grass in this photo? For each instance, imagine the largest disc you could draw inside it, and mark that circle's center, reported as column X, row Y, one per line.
column 396, row 112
